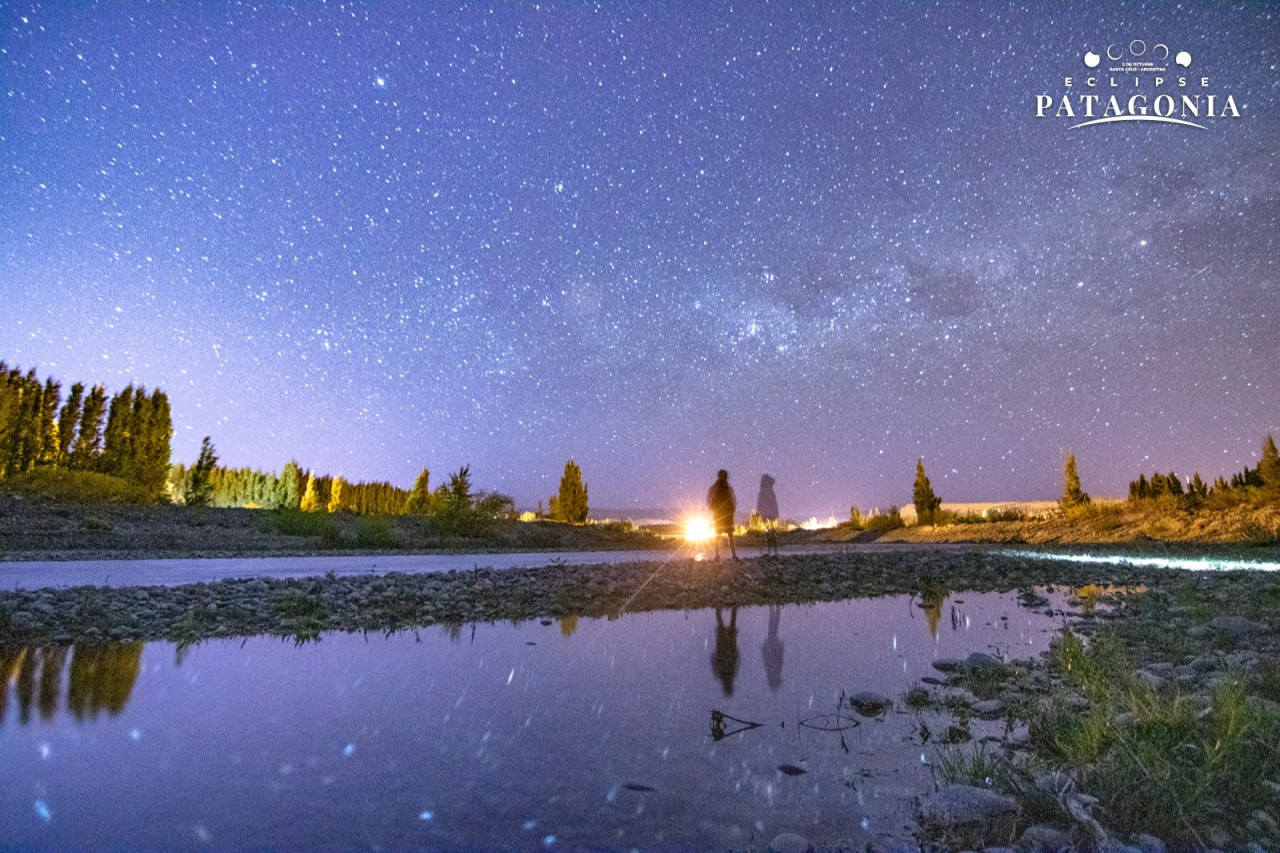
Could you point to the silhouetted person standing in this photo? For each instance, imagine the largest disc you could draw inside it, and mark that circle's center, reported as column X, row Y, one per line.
column 767, row 509
column 723, row 505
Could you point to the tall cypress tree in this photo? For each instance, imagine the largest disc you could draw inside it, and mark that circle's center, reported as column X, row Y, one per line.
column 926, row 502
column 570, row 503
column 1072, row 495
column 1269, row 466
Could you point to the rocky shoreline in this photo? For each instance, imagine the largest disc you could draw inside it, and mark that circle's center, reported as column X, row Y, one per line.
column 307, row 607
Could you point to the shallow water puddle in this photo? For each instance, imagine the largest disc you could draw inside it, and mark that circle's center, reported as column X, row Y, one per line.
column 697, row 729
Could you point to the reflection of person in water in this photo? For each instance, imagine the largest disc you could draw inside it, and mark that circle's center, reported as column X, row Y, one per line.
column 767, row 509
column 772, row 649
column 723, row 504
column 724, row 660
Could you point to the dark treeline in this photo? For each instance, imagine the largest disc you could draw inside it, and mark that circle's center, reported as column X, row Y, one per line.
column 125, row 436
column 1263, row 479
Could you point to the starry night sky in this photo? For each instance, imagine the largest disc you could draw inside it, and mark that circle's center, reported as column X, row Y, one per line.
column 817, row 240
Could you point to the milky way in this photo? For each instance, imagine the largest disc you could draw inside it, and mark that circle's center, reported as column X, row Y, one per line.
column 818, row 241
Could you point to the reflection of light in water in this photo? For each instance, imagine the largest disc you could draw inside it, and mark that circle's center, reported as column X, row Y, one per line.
column 1194, row 564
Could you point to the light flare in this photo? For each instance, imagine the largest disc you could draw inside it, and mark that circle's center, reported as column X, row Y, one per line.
column 698, row 528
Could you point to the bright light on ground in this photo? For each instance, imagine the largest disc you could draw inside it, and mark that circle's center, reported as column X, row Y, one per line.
column 1195, row 564
column 698, row 528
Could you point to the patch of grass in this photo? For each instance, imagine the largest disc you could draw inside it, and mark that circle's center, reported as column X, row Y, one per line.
column 1159, row 762
column 77, row 486
column 917, row 698
column 295, row 522
column 1256, row 534
column 95, row 524
column 376, row 532
column 302, row 614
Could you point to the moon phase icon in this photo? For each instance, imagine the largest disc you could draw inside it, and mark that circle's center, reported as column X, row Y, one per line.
column 1163, row 47
column 1109, row 56
column 1092, row 59
column 1183, row 58
column 1137, row 47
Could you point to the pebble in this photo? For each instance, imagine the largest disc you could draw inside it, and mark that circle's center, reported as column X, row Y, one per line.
column 789, row 842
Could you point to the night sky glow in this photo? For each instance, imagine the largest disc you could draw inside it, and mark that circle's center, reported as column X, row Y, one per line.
column 817, row 241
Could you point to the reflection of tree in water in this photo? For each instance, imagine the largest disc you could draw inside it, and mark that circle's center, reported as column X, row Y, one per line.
column 102, row 678
column 932, row 596
column 568, row 624
column 771, row 651
column 724, row 660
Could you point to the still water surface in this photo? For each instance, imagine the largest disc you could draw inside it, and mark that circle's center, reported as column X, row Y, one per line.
column 539, row 735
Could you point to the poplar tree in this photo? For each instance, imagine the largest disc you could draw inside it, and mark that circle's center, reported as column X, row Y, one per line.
column 46, row 451
column 926, row 502
column 88, row 444
column 153, row 435
column 311, row 498
column 335, row 493
column 1072, row 495
column 68, row 420
column 291, row 485
column 198, row 488
column 117, row 438
column 419, row 502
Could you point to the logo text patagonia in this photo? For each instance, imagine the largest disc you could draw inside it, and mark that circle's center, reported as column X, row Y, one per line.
column 1137, row 85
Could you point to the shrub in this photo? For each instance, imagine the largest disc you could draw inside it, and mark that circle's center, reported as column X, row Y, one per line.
column 78, row 486
column 374, row 532
column 294, row 522
column 891, row 520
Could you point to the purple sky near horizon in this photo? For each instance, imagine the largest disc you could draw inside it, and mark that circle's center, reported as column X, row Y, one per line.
column 817, row 241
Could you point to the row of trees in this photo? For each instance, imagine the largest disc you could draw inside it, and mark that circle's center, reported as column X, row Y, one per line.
column 1264, row 479
column 127, row 435
column 207, row 484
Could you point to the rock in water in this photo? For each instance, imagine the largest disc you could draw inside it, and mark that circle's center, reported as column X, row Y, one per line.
column 964, row 807
column 870, row 704
column 983, row 663
column 791, row 770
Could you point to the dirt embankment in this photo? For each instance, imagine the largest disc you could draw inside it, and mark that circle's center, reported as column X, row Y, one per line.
column 1113, row 524
column 33, row 528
